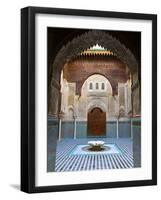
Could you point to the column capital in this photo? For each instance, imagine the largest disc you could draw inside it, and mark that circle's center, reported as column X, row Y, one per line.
column 61, row 115
column 75, row 116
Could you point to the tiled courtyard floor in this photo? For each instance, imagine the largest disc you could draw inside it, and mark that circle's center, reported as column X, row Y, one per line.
column 66, row 160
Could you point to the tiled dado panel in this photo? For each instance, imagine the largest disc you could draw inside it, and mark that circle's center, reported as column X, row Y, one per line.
column 52, row 136
column 137, row 142
column 81, row 129
column 111, row 129
column 67, row 129
column 124, row 129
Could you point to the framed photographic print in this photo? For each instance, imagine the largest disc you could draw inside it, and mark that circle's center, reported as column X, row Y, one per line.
column 88, row 99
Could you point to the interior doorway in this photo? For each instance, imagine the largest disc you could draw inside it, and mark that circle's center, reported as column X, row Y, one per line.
column 96, row 123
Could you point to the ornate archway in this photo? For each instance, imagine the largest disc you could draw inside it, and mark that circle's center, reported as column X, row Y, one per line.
column 88, row 39
column 74, row 48
column 97, row 103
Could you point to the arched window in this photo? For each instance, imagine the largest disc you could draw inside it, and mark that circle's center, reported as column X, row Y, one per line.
column 97, row 86
column 103, row 86
column 90, row 86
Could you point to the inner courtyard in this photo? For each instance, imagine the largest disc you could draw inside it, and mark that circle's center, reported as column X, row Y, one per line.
column 94, row 92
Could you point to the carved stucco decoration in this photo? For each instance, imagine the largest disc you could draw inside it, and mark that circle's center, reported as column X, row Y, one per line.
column 113, row 83
column 97, row 103
column 88, row 39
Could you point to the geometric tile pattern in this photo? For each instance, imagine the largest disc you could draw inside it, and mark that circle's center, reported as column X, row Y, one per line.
column 67, row 161
column 78, row 150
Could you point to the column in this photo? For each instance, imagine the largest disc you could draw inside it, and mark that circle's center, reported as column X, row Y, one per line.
column 61, row 114
column 117, row 127
column 131, row 129
column 59, row 129
column 75, row 128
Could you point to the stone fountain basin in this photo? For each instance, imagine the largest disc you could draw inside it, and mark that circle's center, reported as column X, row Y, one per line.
column 96, row 145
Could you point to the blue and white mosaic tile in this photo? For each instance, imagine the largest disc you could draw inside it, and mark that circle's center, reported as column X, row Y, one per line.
column 111, row 149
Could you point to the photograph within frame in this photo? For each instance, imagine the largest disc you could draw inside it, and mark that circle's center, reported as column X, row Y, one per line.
column 30, row 152
column 94, row 99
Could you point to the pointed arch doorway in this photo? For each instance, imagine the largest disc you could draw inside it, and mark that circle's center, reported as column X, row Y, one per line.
column 96, row 123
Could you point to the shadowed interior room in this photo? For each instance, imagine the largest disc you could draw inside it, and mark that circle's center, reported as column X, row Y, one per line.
column 94, row 99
